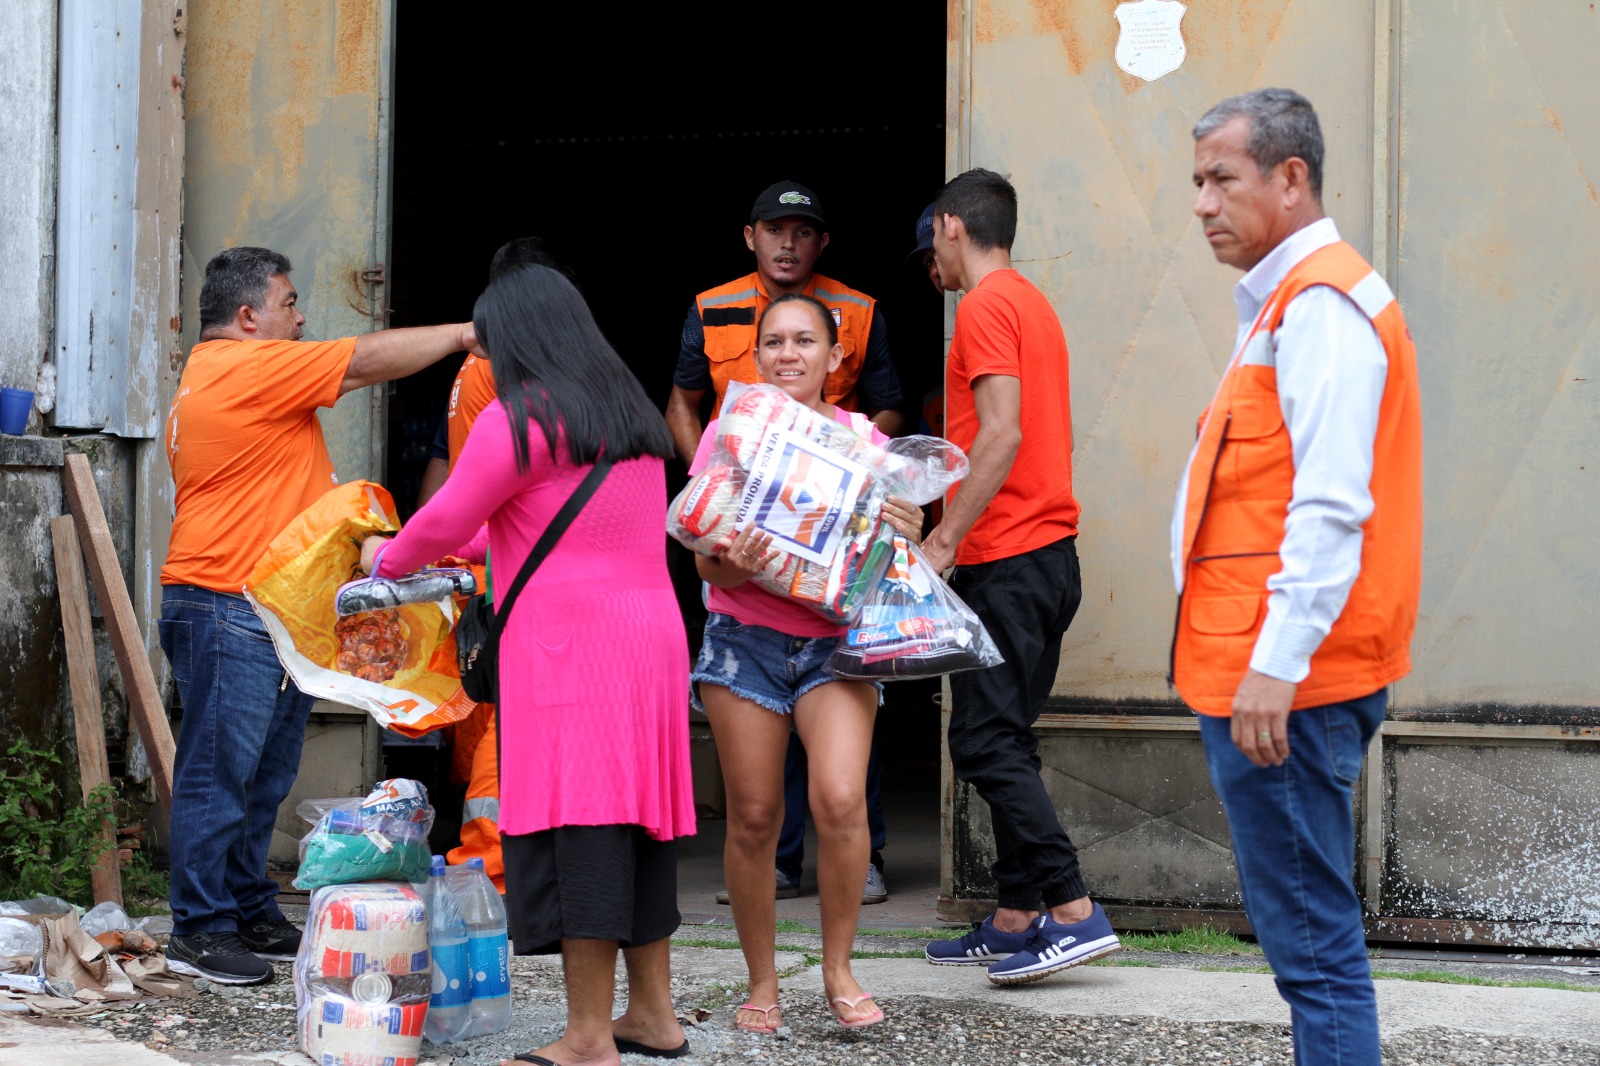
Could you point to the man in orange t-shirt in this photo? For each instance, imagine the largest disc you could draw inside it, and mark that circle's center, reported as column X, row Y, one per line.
column 247, row 456
column 1011, row 529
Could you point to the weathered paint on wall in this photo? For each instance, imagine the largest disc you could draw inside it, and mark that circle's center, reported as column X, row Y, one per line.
column 1464, row 158
column 27, row 174
column 1101, row 161
column 1499, row 218
column 287, row 146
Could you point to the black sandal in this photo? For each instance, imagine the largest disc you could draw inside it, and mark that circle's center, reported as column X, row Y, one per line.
column 633, row 1047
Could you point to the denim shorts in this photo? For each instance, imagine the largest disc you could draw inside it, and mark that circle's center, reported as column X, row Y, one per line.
column 762, row 665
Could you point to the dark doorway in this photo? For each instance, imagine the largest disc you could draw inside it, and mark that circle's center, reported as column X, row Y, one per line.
column 633, row 139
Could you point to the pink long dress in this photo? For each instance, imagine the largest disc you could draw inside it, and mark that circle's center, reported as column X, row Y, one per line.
column 594, row 665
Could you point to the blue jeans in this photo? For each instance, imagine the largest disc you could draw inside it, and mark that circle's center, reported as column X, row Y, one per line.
column 238, row 753
column 792, row 840
column 1294, row 844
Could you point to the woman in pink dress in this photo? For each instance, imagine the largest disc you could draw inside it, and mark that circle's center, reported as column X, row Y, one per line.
column 595, row 780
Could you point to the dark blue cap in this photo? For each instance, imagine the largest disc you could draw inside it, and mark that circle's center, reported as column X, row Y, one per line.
column 924, row 234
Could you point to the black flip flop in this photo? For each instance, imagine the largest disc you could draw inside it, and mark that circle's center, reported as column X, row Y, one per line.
column 537, row 1060
column 633, row 1047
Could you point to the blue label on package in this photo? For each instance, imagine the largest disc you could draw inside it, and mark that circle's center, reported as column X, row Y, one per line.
column 491, row 977
column 451, row 981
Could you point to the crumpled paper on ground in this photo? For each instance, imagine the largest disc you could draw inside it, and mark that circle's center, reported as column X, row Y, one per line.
column 102, row 980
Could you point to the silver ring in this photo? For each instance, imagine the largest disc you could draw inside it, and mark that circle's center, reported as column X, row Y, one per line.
column 1263, row 735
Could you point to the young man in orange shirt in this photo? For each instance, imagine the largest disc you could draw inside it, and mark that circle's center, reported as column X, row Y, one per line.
column 1011, row 527
column 247, row 456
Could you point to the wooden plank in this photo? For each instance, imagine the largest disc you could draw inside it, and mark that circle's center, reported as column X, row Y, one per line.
column 87, row 713
column 144, row 698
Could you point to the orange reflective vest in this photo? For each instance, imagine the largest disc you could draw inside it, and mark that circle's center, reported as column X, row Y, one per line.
column 729, row 314
column 1241, row 479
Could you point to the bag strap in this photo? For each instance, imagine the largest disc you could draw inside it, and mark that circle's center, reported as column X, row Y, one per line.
column 547, row 541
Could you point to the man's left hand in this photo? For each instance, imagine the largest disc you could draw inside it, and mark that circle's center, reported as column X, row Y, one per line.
column 936, row 554
column 1261, row 718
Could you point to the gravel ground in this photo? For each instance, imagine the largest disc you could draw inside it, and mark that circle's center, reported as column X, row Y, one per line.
column 226, row 1022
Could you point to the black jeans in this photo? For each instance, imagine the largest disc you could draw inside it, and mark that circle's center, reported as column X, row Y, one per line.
column 1026, row 602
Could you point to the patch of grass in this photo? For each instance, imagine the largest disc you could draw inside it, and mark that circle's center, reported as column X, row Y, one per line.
column 789, row 925
column 1444, row 977
column 1196, row 940
column 680, row 942
column 942, row 933
column 863, row 954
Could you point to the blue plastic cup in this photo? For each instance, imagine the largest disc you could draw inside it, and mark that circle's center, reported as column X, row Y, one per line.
column 14, row 407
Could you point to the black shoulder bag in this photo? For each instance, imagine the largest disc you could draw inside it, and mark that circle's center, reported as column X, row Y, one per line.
column 478, row 628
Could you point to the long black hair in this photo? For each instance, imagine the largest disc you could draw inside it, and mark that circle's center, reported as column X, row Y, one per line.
column 552, row 364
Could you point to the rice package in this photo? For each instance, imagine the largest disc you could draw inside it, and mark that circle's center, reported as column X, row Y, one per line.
column 912, row 625
column 383, row 837
column 817, row 487
column 362, row 976
column 398, row 665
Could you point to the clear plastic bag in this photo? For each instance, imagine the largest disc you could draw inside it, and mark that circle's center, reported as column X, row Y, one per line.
column 383, row 837
column 363, row 975
column 912, row 625
column 817, row 487
column 104, row 917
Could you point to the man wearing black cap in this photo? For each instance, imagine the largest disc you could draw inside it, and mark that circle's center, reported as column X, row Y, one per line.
column 787, row 233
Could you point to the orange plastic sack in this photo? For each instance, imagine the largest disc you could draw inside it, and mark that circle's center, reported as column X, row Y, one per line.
column 413, row 647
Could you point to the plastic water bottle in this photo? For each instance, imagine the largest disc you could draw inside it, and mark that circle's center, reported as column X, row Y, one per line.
column 449, row 1008
column 489, row 950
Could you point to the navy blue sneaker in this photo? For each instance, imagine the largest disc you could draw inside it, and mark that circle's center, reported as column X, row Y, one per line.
column 1053, row 947
column 983, row 945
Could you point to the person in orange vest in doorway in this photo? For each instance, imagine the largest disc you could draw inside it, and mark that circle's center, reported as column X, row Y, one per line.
column 1297, row 554
column 475, row 740
column 787, row 233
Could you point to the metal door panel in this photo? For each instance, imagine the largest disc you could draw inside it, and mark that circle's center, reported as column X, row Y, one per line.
column 1101, row 161
column 1499, row 217
column 288, row 147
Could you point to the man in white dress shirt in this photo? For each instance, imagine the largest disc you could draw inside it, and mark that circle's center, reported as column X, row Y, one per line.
column 1296, row 549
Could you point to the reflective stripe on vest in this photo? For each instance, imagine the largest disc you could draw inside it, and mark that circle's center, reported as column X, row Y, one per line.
column 728, row 316
column 1241, row 479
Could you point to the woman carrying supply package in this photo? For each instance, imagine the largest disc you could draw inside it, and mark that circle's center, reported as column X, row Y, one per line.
column 595, row 779
column 761, row 663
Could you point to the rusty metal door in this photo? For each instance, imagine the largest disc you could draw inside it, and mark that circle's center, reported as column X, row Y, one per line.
column 1498, row 216
column 1463, row 159
column 1101, row 160
column 288, row 110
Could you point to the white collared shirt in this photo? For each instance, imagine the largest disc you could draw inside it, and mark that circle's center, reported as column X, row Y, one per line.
column 1331, row 371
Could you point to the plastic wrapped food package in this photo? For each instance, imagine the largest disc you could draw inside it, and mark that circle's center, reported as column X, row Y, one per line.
column 372, row 645
column 817, row 487
column 362, row 976
column 398, row 664
column 912, row 625
column 379, row 838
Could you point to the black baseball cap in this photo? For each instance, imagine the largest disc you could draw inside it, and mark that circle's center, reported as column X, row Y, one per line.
column 786, row 199
column 924, row 233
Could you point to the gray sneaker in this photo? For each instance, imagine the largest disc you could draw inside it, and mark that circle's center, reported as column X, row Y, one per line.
column 786, row 889
column 875, row 891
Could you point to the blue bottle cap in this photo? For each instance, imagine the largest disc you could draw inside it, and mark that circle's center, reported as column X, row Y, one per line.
column 436, row 867
column 475, row 863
